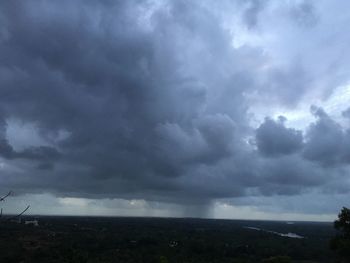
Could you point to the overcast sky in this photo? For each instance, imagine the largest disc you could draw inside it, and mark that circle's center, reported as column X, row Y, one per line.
column 224, row 109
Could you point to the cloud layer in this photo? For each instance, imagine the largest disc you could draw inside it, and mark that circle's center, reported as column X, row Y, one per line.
column 155, row 100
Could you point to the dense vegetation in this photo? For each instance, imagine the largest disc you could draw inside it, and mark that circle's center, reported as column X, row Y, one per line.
column 80, row 239
column 341, row 242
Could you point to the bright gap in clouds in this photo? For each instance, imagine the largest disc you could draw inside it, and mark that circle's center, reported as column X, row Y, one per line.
column 300, row 117
column 27, row 134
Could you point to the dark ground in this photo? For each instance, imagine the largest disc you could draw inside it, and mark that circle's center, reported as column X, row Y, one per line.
column 123, row 239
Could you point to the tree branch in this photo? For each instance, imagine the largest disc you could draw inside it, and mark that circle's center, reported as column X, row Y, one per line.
column 4, row 197
column 12, row 217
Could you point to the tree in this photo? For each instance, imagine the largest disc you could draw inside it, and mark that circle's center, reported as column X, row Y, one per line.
column 341, row 242
column 278, row 259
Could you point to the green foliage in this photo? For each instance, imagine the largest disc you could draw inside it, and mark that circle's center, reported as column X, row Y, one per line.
column 163, row 259
column 343, row 222
column 341, row 243
column 278, row 259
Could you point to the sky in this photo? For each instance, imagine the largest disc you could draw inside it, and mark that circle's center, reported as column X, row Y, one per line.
column 217, row 109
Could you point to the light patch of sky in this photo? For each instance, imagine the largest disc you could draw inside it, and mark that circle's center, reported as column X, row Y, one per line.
column 227, row 211
column 25, row 134
column 271, row 38
column 21, row 135
column 300, row 116
column 145, row 12
column 8, row 167
column 240, row 35
column 48, row 204
column 73, row 201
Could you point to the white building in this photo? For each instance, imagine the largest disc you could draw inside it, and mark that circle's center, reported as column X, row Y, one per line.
column 32, row 222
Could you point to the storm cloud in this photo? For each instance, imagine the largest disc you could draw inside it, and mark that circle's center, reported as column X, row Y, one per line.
column 273, row 138
column 155, row 100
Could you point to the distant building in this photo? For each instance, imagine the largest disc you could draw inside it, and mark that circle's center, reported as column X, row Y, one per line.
column 32, row 222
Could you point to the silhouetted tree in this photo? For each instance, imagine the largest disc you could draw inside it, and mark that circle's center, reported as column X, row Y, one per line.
column 341, row 242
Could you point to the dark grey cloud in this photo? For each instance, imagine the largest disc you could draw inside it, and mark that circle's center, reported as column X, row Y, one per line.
column 154, row 105
column 5, row 149
column 273, row 138
column 135, row 109
column 251, row 13
column 346, row 113
column 304, row 13
column 326, row 141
